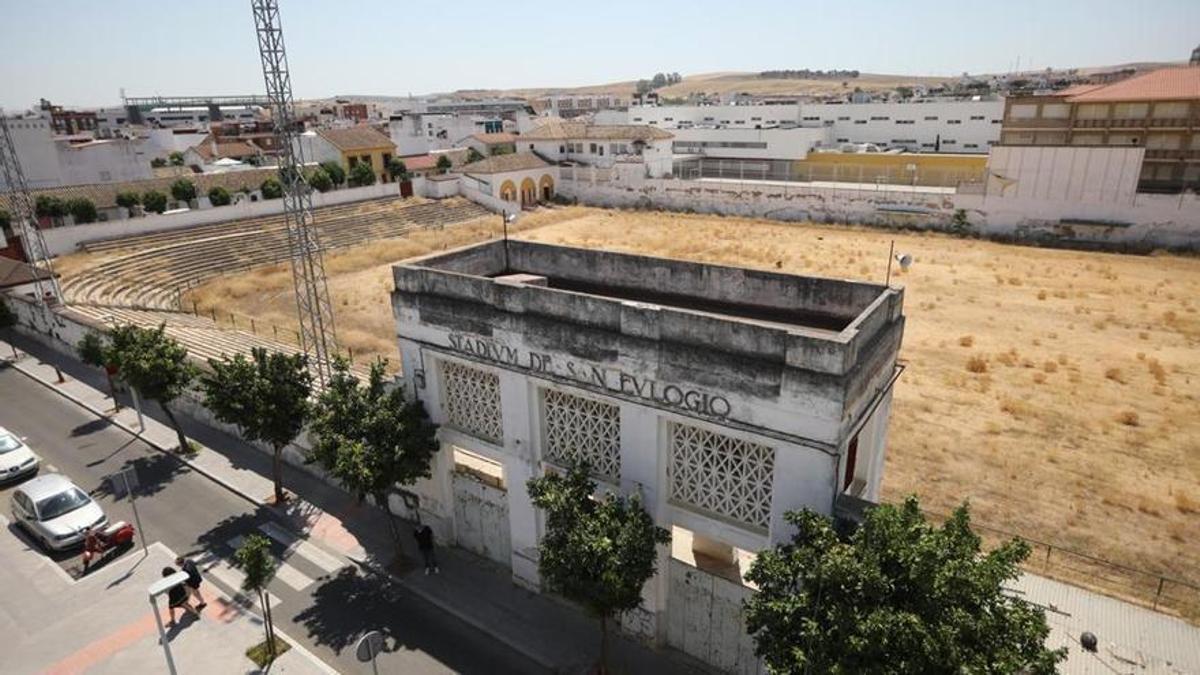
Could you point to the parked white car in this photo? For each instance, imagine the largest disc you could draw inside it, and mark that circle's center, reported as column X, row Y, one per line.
column 16, row 459
column 55, row 511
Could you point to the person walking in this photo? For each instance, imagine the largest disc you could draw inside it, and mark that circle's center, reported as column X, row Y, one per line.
column 177, row 598
column 193, row 581
column 424, row 537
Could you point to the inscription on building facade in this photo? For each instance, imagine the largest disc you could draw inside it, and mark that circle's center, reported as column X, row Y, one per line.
column 592, row 375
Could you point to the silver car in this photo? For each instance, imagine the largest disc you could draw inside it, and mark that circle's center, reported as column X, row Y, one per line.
column 55, row 511
column 16, row 459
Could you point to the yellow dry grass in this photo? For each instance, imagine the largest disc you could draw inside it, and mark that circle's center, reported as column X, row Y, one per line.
column 1055, row 390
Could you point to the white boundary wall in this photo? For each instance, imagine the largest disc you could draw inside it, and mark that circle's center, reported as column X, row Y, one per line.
column 60, row 240
column 1145, row 221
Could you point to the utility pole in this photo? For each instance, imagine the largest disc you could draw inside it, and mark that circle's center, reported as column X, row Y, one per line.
column 47, row 291
column 315, row 312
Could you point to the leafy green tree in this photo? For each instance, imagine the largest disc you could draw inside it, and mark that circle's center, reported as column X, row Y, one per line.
column 8, row 321
column 176, row 158
column 369, row 437
column 266, row 397
column 158, row 163
column 904, row 92
column 271, row 188
column 5, row 220
column 398, row 169
column 255, row 560
column 219, row 196
column 82, row 210
column 49, row 206
column 597, row 552
column 444, row 164
column 128, row 200
column 154, row 201
column 336, row 173
column 473, row 155
column 361, row 175
column 503, row 150
column 183, row 190
column 896, row 596
column 155, row 365
column 94, row 352
column 319, row 179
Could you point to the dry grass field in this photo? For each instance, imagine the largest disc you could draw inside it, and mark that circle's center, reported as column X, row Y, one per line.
column 1057, row 391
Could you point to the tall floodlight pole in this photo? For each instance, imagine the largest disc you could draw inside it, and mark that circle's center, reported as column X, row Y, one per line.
column 24, row 216
column 317, row 338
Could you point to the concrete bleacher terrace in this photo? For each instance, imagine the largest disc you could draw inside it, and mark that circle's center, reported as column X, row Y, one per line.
column 150, row 271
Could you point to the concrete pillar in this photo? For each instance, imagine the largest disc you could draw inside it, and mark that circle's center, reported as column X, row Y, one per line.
column 518, row 409
column 643, row 470
column 803, row 478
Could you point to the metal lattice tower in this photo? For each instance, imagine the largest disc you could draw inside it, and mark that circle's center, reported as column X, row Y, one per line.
column 317, row 338
column 24, row 217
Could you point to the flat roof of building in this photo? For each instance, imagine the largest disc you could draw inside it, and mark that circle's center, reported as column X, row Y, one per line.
column 760, row 313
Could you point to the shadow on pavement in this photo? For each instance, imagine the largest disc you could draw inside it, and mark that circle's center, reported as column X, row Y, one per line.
column 98, row 424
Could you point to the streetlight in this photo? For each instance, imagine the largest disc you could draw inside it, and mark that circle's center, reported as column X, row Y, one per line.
column 157, row 588
column 508, row 218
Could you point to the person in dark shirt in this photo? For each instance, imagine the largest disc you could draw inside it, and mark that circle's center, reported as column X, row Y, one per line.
column 177, row 597
column 194, row 579
column 424, row 537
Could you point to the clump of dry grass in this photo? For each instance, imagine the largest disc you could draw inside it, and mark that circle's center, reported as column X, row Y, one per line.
column 1115, row 375
column 966, row 341
column 1039, row 378
column 1157, row 370
column 1050, row 366
column 977, row 364
column 1129, row 418
column 1186, row 504
column 1016, row 407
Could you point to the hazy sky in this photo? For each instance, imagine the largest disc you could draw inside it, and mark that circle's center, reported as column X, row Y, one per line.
column 82, row 53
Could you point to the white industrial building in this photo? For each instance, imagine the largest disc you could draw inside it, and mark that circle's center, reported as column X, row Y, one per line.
column 600, row 145
column 725, row 397
column 926, row 126
column 416, row 133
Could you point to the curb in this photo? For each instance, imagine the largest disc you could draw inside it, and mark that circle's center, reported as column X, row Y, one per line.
column 453, row 611
column 138, row 435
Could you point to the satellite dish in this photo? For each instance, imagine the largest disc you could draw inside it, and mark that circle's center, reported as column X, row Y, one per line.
column 905, row 260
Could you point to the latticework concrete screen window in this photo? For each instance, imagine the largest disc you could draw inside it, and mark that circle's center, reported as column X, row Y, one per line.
column 583, row 429
column 472, row 401
column 726, row 476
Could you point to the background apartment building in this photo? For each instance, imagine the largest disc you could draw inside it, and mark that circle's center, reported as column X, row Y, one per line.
column 1158, row 111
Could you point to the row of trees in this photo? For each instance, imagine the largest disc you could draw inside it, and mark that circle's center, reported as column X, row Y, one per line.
column 807, row 74
column 896, row 595
column 659, row 81
column 83, row 210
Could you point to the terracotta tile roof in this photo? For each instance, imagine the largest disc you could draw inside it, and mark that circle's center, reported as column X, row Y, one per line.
column 104, row 195
column 520, row 161
column 557, row 130
column 361, row 137
column 429, row 161
column 17, row 273
column 1077, row 89
column 1165, row 84
column 495, row 138
column 233, row 149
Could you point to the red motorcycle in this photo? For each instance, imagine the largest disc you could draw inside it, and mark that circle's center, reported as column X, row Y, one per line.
column 98, row 543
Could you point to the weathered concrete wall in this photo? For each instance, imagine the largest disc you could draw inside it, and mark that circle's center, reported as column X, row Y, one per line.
column 1146, row 221
column 62, row 240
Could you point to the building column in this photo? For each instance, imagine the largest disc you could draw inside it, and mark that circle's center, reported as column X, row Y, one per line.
column 517, row 409
column 642, row 472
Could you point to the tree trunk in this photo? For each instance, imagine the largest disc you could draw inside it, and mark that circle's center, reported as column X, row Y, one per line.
column 183, row 444
column 277, row 473
column 604, row 644
column 112, row 391
column 262, row 602
column 270, row 619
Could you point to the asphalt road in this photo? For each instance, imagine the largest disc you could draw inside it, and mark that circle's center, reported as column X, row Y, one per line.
column 327, row 610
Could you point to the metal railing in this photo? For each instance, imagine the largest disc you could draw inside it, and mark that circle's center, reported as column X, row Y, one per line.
column 1150, row 589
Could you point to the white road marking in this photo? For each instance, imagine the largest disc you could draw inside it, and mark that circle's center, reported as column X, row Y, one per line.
column 283, row 571
column 307, row 550
column 232, row 578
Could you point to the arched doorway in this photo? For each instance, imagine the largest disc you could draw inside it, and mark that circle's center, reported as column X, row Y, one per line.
column 528, row 192
column 508, row 191
column 546, row 187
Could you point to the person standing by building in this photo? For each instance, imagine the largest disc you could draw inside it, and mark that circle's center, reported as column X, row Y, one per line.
column 193, row 581
column 424, row 537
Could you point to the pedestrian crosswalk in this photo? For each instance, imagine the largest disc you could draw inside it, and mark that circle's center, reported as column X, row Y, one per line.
column 298, row 563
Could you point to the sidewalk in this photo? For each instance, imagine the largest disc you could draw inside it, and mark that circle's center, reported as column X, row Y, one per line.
column 103, row 623
column 481, row 594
